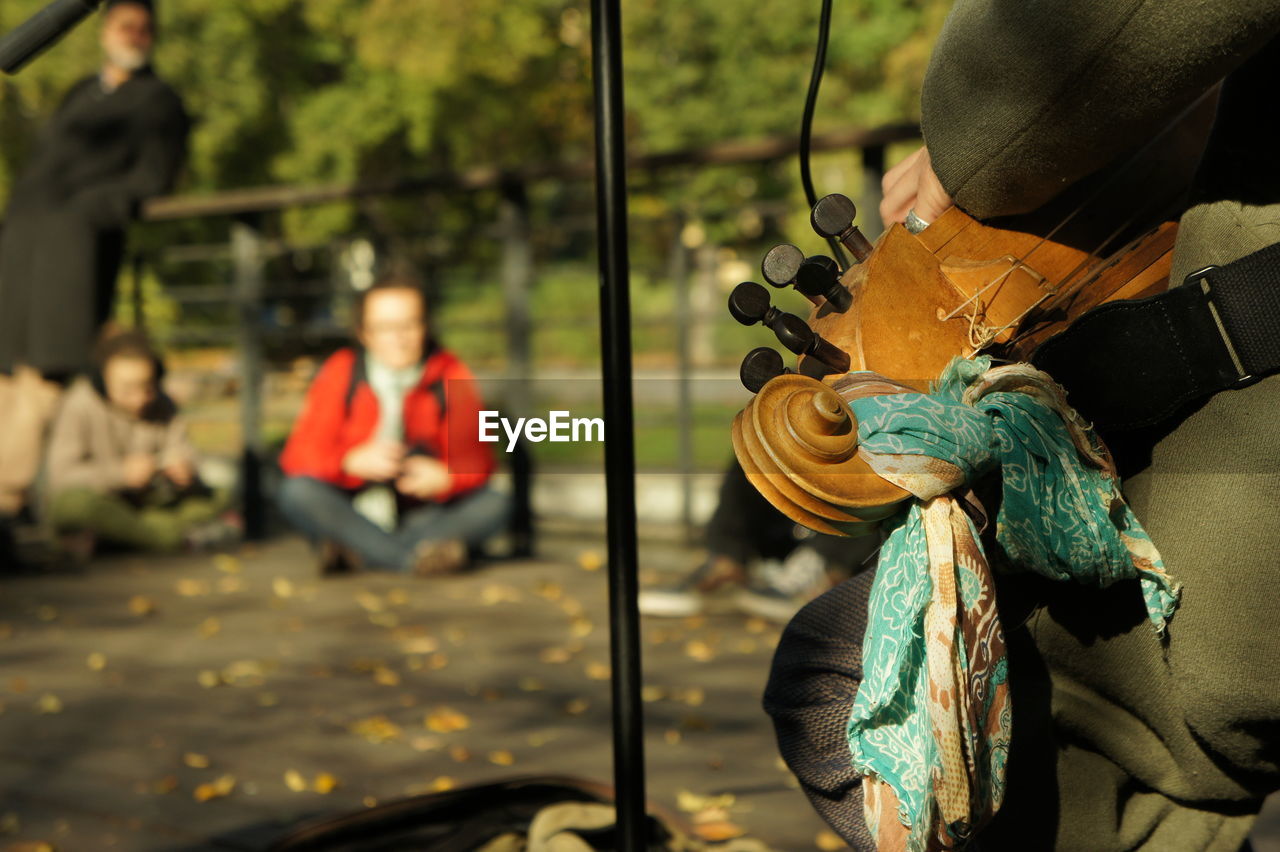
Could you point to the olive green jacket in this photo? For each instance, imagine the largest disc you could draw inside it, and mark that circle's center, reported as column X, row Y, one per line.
column 1121, row 741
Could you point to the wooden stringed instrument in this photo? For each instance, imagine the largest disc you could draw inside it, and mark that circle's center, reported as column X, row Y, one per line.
column 914, row 301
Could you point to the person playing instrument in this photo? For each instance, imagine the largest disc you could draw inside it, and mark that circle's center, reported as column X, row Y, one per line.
column 391, row 427
column 121, row 470
column 1120, row 742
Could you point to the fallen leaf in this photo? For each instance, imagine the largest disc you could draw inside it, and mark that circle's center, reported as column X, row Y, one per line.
column 208, row 678
column 459, row 753
column 96, row 661
column 540, row 738
column 389, row 620
column 502, row 757
column 196, row 761
column 165, row 785
column 577, row 706
column 141, row 605
column 370, row 601
column 693, row 696
column 650, row 694
column 49, row 703
column 369, row 802
column 672, row 736
column 756, row 624
column 189, row 588
column 446, row 720
column 386, row 677
column 421, row 645
column 550, row 591
column 376, row 729
column 437, row 661
column 282, row 587
column 699, row 650
column 718, row 832
column 581, row 627
column 692, row 803
column 829, row 841
column 324, row 784
column 397, row 597
column 555, row 655
column 226, row 563
column 590, row 560
column 426, row 743
column 444, row 782
column 229, row 585
column 210, row 627
column 294, row 781
column 218, row 789
column 598, row 671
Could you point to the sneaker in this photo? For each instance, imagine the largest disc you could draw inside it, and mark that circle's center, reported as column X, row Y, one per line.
column 691, row 595
column 782, row 588
column 435, row 558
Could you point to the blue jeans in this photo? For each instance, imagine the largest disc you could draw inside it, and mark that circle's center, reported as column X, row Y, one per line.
column 324, row 511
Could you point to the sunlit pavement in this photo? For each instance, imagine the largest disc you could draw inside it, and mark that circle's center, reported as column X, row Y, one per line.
column 203, row 702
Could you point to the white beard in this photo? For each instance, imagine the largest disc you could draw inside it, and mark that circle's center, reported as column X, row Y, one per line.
column 127, row 59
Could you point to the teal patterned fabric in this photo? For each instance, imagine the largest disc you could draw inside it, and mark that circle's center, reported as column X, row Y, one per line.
column 1061, row 516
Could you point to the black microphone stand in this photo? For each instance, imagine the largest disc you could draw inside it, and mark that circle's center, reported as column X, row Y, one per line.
column 41, row 31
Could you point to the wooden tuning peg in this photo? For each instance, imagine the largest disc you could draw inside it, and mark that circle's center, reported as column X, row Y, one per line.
column 833, row 217
column 760, row 365
column 749, row 304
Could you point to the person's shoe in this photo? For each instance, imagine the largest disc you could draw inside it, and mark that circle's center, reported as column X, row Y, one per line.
column 77, row 547
column 783, row 588
column 691, row 595
column 336, row 560
column 217, row 536
column 436, row 558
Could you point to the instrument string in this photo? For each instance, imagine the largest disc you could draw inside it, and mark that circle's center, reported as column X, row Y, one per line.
column 1127, row 166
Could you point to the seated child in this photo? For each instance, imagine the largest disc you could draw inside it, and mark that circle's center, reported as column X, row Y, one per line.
column 120, row 469
column 397, row 418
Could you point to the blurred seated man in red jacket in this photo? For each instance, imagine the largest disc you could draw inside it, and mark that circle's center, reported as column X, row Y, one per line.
column 384, row 468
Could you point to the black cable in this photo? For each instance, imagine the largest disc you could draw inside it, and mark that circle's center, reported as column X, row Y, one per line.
column 806, row 123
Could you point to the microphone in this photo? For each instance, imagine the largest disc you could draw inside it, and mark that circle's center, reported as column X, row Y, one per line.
column 39, row 32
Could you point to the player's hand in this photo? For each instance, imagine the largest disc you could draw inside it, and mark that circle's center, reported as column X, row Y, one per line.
column 180, row 472
column 913, row 185
column 423, row 478
column 138, row 470
column 375, row 461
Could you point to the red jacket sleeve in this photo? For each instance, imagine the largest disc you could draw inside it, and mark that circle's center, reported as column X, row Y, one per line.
column 470, row 461
column 315, row 446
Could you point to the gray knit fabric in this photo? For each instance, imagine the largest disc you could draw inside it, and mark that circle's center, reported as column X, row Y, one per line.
column 815, row 676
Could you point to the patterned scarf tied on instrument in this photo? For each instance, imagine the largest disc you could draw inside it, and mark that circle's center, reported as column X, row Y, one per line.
column 931, row 722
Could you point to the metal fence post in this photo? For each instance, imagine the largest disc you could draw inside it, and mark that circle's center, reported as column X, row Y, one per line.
column 678, row 269
column 248, row 261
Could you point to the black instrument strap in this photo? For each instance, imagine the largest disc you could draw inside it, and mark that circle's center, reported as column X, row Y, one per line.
column 1133, row 363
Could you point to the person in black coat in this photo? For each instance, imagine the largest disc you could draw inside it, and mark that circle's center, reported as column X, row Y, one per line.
column 118, row 137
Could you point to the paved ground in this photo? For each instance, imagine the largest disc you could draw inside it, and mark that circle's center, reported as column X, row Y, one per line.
column 132, row 692
column 197, row 703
